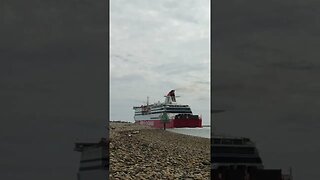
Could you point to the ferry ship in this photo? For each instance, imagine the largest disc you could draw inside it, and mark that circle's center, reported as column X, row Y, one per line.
column 168, row 114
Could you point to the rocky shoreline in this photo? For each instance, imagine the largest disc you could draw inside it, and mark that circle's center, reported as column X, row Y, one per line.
column 140, row 152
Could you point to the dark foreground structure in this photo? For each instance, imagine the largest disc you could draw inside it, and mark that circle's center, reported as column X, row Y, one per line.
column 94, row 163
column 237, row 158
column 256, row 174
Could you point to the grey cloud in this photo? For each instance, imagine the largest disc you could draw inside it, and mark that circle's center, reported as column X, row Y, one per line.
column 179, row 68
column 203, row 99
column 119, row 57
column 129, row 78
column 203, row 82
column 191, row 88
column 170, row 4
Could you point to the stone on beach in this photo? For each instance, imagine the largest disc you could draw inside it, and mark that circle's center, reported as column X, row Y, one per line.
column 156, row 154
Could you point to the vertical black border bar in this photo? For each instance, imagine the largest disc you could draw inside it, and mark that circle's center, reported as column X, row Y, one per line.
column 211, row 85
column 108, row 82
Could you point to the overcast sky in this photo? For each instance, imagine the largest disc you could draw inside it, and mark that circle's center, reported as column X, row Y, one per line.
column 157, row 46
column 266, row 75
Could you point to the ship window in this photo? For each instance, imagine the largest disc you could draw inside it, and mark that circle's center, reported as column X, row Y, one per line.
column 186, row 109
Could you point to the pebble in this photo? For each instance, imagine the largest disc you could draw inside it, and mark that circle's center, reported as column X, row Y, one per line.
column 140, row 152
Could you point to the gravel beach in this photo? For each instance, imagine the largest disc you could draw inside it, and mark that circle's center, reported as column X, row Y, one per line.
column 140, row 152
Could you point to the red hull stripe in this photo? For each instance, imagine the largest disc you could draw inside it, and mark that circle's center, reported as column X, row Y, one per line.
column 175, row 123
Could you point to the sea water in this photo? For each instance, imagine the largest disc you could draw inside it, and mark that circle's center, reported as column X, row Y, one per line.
column 199, row 132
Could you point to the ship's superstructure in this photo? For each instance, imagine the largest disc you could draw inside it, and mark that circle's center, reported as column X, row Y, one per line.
column 180, row 115
column 235, row 153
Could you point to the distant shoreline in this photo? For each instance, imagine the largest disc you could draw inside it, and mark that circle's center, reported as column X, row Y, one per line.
column 119, row 121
